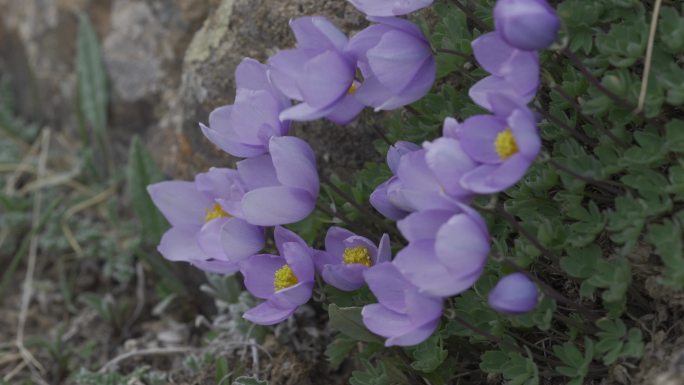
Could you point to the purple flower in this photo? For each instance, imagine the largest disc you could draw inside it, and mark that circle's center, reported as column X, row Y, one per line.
column 514, row 73
column 282, row 186
column 404, row 315
column 389, row 7
column 379, row 198
column 505, row 144
column 244, row 128
column 285, row 281
column 514, row 294
column 318, row 72
column 347, row 256
column 205, row 232
column 526, row 24
column 396, row 62
column 446, row 253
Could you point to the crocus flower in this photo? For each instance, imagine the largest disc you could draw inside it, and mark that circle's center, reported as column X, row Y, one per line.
column 389, row 7
column 285, row 281
column 282, row 186
column 505, row 144
column 514, row 73
column 396, row 62
column 347, row 256
column 379, row 198
column 403, row 314
column 205, row 232
column 244, row 128
column 447, row 251
column 514, row 294
column 319, row 73
column 526, row 24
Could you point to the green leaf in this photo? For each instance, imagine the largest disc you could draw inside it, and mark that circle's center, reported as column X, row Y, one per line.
column 373, row 375
column 581, row 262
column 348, row 321
column 429, row 355
column 338, row 350
column 92, row 80
column 667, row 240
column 248, row 381
column 514, row 367
column 674, row 134
column 140, row 173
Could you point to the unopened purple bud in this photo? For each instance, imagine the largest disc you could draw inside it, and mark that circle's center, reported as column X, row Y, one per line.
column 526, row 24
column 514, row 294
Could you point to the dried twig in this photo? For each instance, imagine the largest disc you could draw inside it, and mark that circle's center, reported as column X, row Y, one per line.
column 649, row 57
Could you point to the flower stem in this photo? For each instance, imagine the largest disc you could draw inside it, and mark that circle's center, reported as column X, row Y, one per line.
column 455, row 52
column 472, row 16
column 607, row 186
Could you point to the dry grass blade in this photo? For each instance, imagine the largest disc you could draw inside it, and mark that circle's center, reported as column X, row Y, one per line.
column 649, row 56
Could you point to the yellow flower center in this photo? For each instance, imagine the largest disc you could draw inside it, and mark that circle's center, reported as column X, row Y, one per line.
column 352, row 89
column 284, row 278
column 215, row 212
column 357, row 254
column 505, row 144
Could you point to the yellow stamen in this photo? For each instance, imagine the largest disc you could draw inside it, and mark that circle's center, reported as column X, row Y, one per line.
column 284, row 278
column 352, row 88
column 505, row 144
column 215, row 212
column 357, row 254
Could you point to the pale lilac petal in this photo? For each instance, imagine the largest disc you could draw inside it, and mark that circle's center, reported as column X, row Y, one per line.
column 259, row 272
column 375, row 94
column 489, row 179
column 461, row 245
column 422, row 308
column 397, row 58
column 478, row 135
column 217, row 267
column 524, row 129
column 322, row 258
column 514, row 294
column 451, row 128
column 526, row 24
column 318, row 33
column 482, row 91
column 346, row 110
column 397, row 151
column 414, row 173
column 255, row 114
column 325, row 79
column 380, row 201
column 282, row 236
column 285, row 68
column 293, row 296
column 225, row 141
column 268, row 314
column 344, row 277
column 257, row 172
column 419, row 264
column 415, row 336
column 303, row 112
column 294, row 162
column 209, row 239
column 279, row 205
column 388, row 285
column 424, row 224
column 362, row 42
column 299, row 258
column 398, row 23
column 492, row 53
column 240, row 240
column 385, row 322
column 217, row 182
column 334, row 240
column 179, row 243
column 389, row 7
column 449, row 162
column 251, row 74
column 180, row 202
column 384, row 250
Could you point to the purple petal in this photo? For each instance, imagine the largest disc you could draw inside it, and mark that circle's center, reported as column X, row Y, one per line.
column 251, row 74
column 514, row 294
column 492, row 53
column 268, row 314
column 489, row 179
column 397, row 151
column 325, row 79
column 524, row 129
column 388, row 285
column 344, row 277
column 373, row 93
column 209, row 239
column 286, row 66
column 423, row 224
column 478, row 135
column 180, row 202
column 282, row 236
column 295, row 163
column 257, row 172
column 240, row 240
column 346, row 110
column 384, row 250
column 322, row 258
column 451, row 128
column 259, row 272
column 362, row 42
column 299, row 258
column 217, row 182
column 380, row 201
column 385, row 322
column 449, row 162
column 255, row 115
column 179, row 243
column 318, row 33
column 303, row 112
column 526, row 24
column 422, row 308
column 279, row 205
column 397, row 58
column 389, row 7
column 334, row 240
column 461, row 245
column 398, row 23
column 225, row 141
column 293, row 296
column 217, row 267
column 415, row 336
